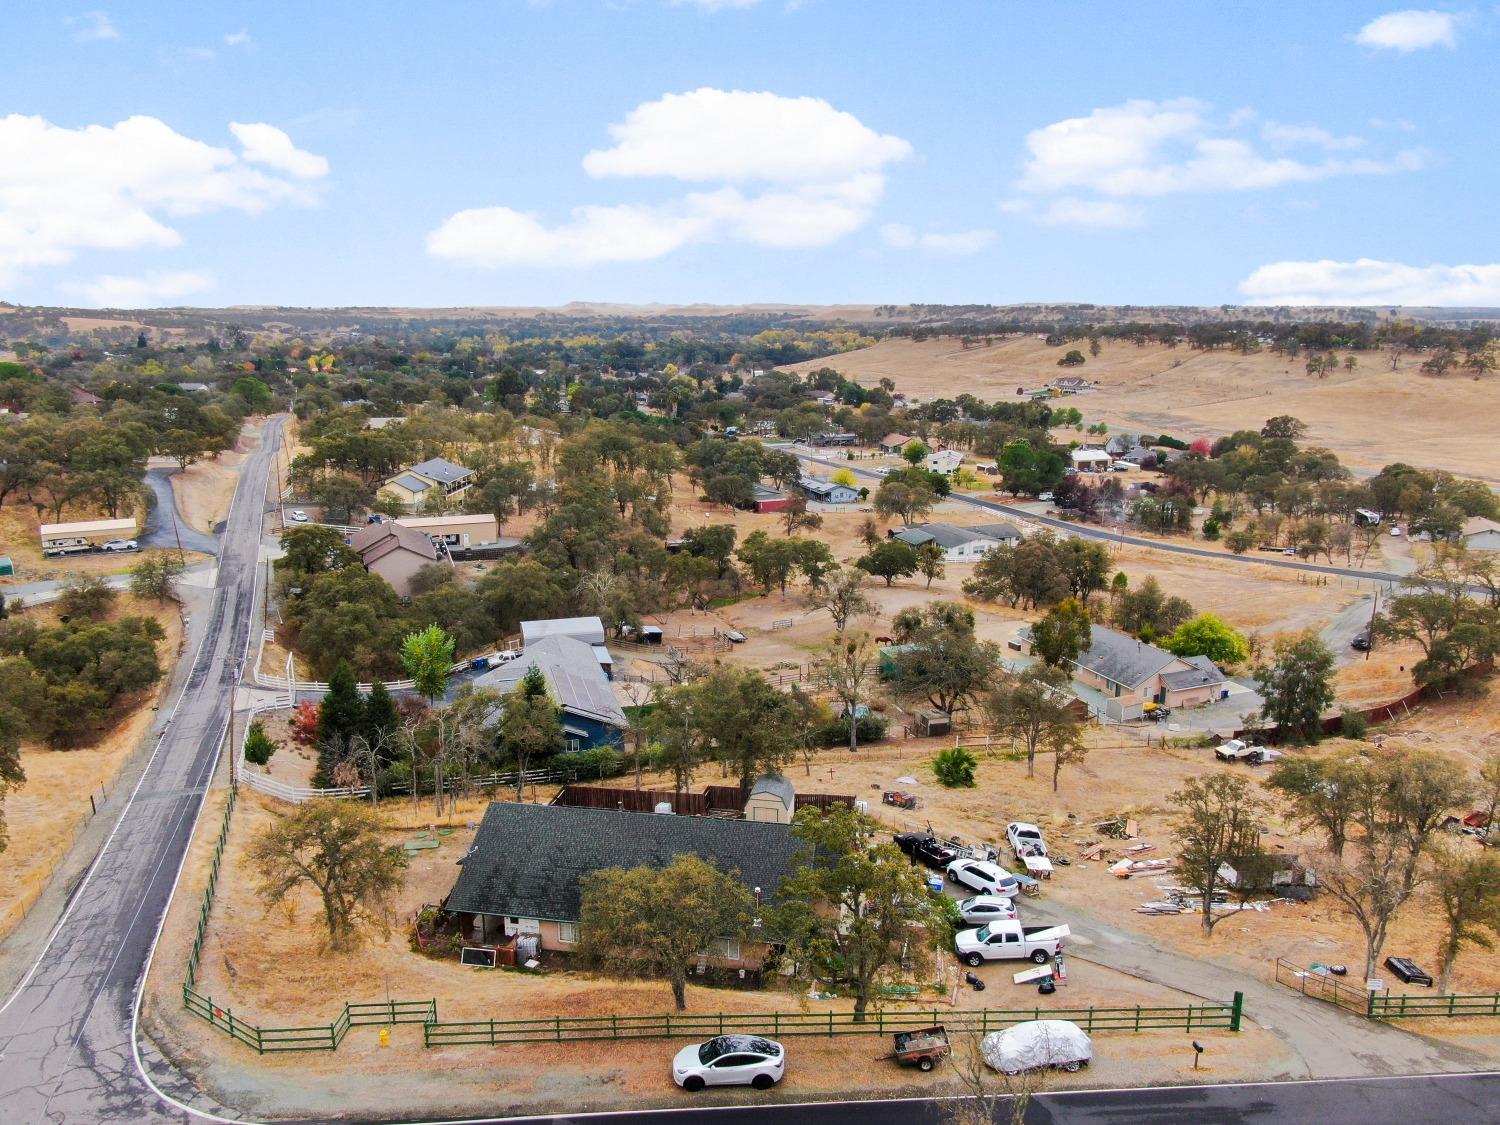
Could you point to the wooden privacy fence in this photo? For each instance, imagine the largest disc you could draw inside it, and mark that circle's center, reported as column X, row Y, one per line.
column 1380, row 1006
column 572, row 1029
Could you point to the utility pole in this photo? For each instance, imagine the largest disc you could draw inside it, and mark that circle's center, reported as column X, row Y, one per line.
column 1370, row 636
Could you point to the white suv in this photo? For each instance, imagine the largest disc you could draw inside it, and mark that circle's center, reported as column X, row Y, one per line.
column 985, row 877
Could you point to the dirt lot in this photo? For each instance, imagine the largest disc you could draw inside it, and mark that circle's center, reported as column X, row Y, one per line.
column 46, row 813
column 271, row 968
column 205, row 489
column 1370, row 416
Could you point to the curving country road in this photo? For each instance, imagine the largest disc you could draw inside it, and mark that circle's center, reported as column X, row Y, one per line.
column 1088, row 531
column 67, row 1033
column 165, row 526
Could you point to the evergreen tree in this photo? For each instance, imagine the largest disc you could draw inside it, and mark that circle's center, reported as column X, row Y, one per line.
column 340, row 718
column 380, row 715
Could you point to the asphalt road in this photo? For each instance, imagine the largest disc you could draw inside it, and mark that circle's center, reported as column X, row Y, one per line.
column 1088, row 531
column 1472, row 1099
column 159, row 530
column 67, row 1033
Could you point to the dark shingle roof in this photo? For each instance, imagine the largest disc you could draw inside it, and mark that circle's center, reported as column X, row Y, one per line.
column 1121, row 659
column 528, row 859
column 1203, row 673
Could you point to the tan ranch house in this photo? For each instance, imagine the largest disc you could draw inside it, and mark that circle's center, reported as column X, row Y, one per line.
column 395, row 553
column 423, row 484
column 1131, row 673
column 521, row 879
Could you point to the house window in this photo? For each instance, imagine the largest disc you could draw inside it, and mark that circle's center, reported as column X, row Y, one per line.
column 567, row 933
column 725, row 948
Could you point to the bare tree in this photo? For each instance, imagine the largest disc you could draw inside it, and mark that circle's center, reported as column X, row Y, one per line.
column 848, row 668
column 841, row 594
column 990, row 1095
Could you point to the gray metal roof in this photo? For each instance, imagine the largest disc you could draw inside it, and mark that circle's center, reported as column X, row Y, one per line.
column 441, row 470
column 590, row 629
column 572, row 669
column 528, row 859
column 1121, row 659
column 411, row 483
column 1000, row 531
column 766, row 492
column 778, row 786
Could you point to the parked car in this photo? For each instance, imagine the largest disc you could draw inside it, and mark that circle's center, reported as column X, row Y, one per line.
column 120, row 545
column 883, row 470
column 925, row 848
column 1045, row 497
column 985, row 877
column 730, row 1060
column 986, row 908
column 1361, row 641
column 733, row 636
column 1008, row 940
column 299, row 516
column 1408, row 971
column 1037, row 1044
column 1025, row 839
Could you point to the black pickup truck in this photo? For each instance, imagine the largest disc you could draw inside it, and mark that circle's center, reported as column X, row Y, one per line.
column 924, row 847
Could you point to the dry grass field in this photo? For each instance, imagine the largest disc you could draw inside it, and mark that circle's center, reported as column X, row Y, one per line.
column 1370, row 417
column 45, row 814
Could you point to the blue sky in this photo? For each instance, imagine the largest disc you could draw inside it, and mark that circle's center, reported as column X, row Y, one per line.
column 513, row 152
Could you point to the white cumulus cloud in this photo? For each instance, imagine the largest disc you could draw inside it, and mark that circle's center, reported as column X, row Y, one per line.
column 1144, row 149
column 116, row 187
column 710, row 135
column 1368, row 281
column 954, row 243
column 268, row 145
column 152, row 290
column 1410, row 30
column 775, row 171
column 501, row 236
column 240, row 38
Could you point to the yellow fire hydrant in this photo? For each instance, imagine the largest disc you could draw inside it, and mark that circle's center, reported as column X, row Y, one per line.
column 385, row 1037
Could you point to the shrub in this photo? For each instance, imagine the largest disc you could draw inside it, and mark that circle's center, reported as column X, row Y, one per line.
column 258, row 745
column 595, row 764
column 872, row 728
column 1211, row 529
column 955, row 768
column 1352, row 724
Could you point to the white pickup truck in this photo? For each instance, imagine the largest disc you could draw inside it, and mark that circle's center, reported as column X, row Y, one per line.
column 1008, row 940
column 1236, row 751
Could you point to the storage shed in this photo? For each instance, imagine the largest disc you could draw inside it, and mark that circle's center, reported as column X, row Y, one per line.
column 772, row 800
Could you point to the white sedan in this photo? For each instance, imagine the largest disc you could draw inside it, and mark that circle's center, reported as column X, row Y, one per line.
column 120, row 545
column 985, row 877
column 730, row 1060
column 299, row 516
column 986, row 908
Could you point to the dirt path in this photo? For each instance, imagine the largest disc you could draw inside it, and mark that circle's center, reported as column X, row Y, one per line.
column 1327, row 1041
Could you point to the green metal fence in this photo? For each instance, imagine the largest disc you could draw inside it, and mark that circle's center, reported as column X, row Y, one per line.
column 208, row 896
column 1379, row 1006
column 316, row 1037
column 570, row 1029
column 1440, row 1006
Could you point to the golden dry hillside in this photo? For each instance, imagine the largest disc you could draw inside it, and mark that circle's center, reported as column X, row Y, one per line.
column 1370, row 416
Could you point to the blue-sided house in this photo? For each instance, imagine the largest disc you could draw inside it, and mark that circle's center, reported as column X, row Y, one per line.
column 827, row 491
column 591, row 715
